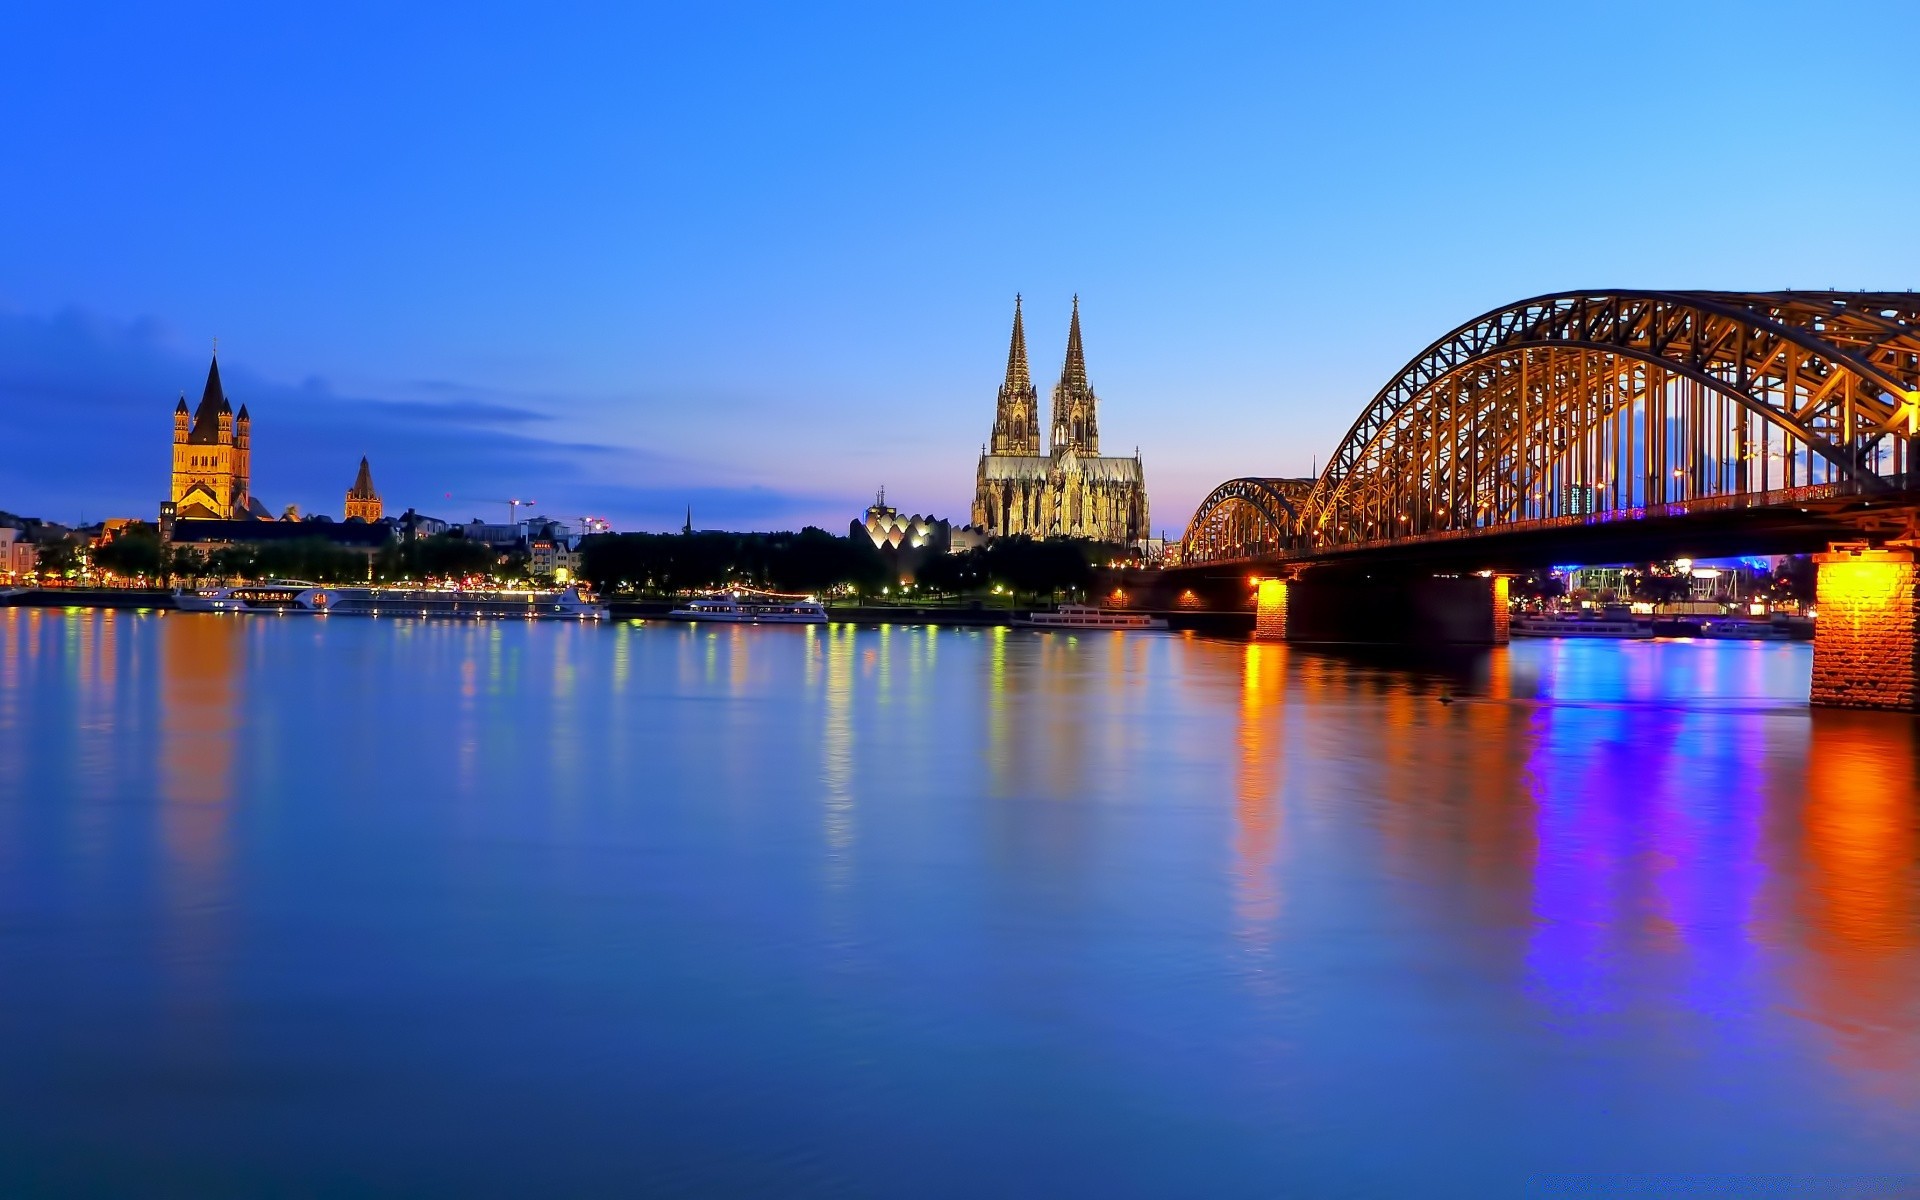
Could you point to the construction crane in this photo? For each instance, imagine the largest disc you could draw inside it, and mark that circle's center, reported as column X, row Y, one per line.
column 594, row 525
column 513, row 506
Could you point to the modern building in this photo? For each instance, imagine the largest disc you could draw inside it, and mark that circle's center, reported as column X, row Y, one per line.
column 889, row 530
column 212, row 459
column 1071, row 490
column 362, row 501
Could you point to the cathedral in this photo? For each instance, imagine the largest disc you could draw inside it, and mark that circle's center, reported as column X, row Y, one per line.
column 212, row 452
column 1070, row 491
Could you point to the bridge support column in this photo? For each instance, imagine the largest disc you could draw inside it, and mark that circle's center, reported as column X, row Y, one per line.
column 1502, row 615
column 1270, row 610
column 1866, row 643
column 1402, row 610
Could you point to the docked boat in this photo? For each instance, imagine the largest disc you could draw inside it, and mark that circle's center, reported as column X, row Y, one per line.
column 565, row 604
column 749, row 610
column 1086, row 616
column 275, row 596
column 1748, row 631
column 1574, row 625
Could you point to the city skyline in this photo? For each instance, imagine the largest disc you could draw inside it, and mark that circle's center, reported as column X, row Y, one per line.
column 775, row 280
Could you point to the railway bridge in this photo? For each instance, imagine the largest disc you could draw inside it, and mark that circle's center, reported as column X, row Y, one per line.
column 1597, row 427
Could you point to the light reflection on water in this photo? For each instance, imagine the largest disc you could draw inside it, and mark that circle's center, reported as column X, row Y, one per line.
column 499, row 908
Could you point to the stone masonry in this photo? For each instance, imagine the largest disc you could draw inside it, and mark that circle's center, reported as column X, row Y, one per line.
column 1866, row 643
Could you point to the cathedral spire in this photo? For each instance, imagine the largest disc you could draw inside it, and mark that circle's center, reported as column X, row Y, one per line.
column 1074, row 373
column 1016, row 426
column 1075, row 424
column 1018, row 378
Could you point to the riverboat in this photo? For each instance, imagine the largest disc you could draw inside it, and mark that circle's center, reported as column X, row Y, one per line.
column 566, row 604
column 1086, row 616
column 751, row 611
column 275, row 596
column 1571, row 625
column 1748, row 631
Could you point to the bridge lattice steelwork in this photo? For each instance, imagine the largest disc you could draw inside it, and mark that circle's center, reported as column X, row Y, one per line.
column 1590, row 406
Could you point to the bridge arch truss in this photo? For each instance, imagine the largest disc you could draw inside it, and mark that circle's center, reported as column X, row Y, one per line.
column 1581, row 404
column 1586, row 405
column 1246, row 518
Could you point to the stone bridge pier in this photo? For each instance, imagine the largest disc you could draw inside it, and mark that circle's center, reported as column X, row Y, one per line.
column 1424, row 610
column 1866, row 640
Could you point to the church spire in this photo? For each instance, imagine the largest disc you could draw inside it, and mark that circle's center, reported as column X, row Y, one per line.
column 1016, row 427
column 1074, row 373
column 1018, row 378
column 1075, row 422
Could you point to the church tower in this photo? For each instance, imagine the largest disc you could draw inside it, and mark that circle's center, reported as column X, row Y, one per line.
column 1076, row 427
column 211, row 456
column 362, row 501
column 1016, row 424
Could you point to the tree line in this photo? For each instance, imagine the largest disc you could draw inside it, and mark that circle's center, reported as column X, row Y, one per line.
column 137, row 551
column 816, row 562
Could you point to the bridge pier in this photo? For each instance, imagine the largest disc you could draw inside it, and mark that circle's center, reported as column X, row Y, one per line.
column 1430, row 610
column 1866, row 643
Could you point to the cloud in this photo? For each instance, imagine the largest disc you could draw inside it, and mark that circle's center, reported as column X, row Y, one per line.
column 751, row 506
column 470, row 412
column 90, row 403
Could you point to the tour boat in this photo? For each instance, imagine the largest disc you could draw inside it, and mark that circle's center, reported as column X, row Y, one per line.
column 1573, row 625
column 751, row 611
column 1086, row 616
column 1748, row 631
column 275, row 595
column 566, row 604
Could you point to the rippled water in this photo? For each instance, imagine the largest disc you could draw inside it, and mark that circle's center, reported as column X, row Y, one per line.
column 322, row 905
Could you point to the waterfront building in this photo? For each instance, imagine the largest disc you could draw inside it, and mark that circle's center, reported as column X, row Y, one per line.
column 1071, row 490
column 362, row 501
column 19, row 554
column 212, row 459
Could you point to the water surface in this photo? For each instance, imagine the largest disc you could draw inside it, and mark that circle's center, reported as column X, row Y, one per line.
column 331, row 906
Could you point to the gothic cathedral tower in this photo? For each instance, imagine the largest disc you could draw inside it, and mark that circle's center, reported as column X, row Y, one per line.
column 1076, row 424
column 1016, row 423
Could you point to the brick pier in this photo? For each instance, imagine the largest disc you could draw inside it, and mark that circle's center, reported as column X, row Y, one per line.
column 1866, row 643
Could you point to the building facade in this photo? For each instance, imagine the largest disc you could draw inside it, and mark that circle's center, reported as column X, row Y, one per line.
column 362, row 501
column 212, row 457
column 1071, row 490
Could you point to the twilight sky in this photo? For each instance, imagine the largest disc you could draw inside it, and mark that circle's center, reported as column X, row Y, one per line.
column 761, row 259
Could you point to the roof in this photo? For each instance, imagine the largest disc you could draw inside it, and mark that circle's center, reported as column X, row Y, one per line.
column 362, row 488
column 213, row 405
column 1013, row 466
column 194, row 531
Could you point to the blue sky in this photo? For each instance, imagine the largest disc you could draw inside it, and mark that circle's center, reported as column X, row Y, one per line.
column 761, row 259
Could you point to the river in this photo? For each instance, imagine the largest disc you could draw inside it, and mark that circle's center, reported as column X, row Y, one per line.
column 307, row 905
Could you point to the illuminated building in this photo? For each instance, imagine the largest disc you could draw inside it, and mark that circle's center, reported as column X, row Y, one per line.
column 362, row 501
column 889, row 530
column 212, row 459
column 1071, row 490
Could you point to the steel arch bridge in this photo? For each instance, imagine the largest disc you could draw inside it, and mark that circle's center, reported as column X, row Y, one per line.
column 1246, row 518
column 1586, row 407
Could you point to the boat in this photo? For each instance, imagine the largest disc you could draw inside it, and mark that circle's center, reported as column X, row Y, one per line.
column 1087, row 616
column 275, row 595
column 565, row 604
column 1749, row 631
column 1573, row 625
column 751, row 611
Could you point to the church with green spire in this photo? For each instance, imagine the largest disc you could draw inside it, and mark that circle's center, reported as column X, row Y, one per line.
column 1070, row 490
